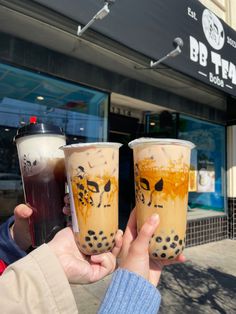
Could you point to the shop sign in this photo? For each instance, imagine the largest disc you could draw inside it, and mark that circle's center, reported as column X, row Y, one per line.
column 210, row 59
column 149, row 28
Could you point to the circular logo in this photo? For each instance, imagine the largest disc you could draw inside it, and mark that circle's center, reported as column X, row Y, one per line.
column 213, row 30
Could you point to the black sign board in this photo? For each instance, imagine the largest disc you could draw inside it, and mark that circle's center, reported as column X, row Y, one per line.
column 149, row 27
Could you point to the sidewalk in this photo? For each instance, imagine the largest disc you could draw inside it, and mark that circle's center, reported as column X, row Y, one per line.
column 206, row 283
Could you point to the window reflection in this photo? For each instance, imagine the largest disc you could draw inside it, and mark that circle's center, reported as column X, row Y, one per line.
column 79, row 110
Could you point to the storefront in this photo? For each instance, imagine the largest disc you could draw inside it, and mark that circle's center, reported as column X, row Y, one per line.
column 100, row 87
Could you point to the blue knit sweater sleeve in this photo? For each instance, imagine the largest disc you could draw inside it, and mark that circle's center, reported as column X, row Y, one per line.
column 129, row 293
column 9, row 250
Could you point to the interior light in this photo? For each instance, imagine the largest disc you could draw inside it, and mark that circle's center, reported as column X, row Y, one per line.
column 7, row 130
column 74, row 138
column 152, row 123
column 40, row 97
column 81, row 129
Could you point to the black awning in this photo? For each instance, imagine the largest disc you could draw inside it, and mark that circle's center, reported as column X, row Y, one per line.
column 149, row 27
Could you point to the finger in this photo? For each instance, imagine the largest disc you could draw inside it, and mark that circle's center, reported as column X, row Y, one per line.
column 129, row 235
column 66, row 211
column 22, row 212
column 131, row 229
column 179, row 259
column 107, row 263
column 67, row 199
column 118, row 243
column 141, row 243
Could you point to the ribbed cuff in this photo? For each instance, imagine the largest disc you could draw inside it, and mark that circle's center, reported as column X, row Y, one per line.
column 9, row 250
column 130, row 293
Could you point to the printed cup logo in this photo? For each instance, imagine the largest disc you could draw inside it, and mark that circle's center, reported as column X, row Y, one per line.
column 213, row 30
column 32, row 164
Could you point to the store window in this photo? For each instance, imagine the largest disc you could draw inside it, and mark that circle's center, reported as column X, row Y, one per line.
column 79, row 110
column 207, row 180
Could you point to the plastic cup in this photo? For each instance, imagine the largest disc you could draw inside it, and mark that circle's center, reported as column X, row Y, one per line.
column 161, row 172
column 92, row 175
column 43, row 175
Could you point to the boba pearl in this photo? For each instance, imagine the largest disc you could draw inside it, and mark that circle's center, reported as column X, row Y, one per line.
column 176, row 238
column 168, row 239
column 163, row 255
column 164, row 247
column 87, row 239
column 155, row 254
column 91, row 232
column 158, row 239
column 99, row 245
column 170, row 257
column 100, row 232
column 177, row 251
column 173, row 245
column 180, row 242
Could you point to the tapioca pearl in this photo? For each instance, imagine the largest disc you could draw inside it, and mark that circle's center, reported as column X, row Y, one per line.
column 170, row 257
column 113, row 241
column 107, row 244
column 91, row 232
column 167, row 239
column 159, row 239
column 95, row 238
column 109, row 248
column 153, row 235
column 90, row 244
column 104, row 238
column 164, row 247
column 94, row 251
column 154, row 254
column 176, row 237
column 112, row 234
column 163, row 255
column 99, row 245
column 180, row 242
column 173, row 245
column 87, row 239
column 100, row 232
column 177, row 251
column 84, row 246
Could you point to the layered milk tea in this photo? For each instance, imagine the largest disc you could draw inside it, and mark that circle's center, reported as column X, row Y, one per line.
column 92, row 174
column 43, row 174
column 161, row 171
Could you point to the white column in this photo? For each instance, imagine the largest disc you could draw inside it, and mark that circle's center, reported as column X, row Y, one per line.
column 231, row 161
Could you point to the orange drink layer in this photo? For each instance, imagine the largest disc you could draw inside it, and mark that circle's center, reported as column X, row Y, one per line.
column 92, row 175
column 161, row 171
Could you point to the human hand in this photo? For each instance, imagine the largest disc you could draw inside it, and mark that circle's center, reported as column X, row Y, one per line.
column 79, row 268
column 20, row 229
column 134, row 255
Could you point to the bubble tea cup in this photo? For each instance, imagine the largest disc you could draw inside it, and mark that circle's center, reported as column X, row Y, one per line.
column 43, row 174
column 161, row 173
column 92, row 175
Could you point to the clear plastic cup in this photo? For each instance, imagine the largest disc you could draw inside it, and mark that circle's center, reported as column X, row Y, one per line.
column 92, row 175
column 43, row 174
column 161, row 172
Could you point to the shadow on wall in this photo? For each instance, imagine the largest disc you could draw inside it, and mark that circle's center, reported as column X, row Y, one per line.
column 189, row 289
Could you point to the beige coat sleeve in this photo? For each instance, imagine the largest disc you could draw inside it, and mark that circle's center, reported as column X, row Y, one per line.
column 36, row 284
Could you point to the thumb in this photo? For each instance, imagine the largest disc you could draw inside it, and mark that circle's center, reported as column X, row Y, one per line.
column 22, row 212
column 142, row 241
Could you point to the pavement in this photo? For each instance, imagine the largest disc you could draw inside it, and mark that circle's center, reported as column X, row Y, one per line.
column 205, row 284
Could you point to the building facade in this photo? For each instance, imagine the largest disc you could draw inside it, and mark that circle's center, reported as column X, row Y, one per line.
column 100, row 87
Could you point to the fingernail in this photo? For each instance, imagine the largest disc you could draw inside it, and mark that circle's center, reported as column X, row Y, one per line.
column 120, row 232
column 154, row 218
